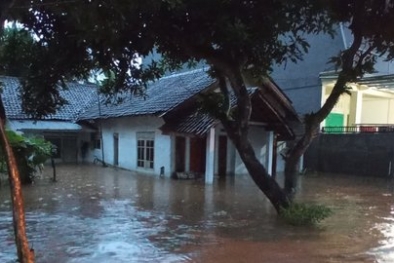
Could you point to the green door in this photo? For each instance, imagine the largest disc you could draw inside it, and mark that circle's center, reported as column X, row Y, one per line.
column 334, row 122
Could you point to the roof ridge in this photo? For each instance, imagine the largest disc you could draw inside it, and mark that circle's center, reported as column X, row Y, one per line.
column 203, row 69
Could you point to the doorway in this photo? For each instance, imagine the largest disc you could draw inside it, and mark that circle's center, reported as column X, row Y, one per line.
column 198, row 150
column 180, row 154
column 222, row 156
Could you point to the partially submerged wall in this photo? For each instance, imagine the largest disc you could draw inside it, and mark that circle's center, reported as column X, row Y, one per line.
column 358, row 154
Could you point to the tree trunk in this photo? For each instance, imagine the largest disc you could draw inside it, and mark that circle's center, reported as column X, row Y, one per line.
column 256, row 170
column 238, row 129
column 293, row 158
column 25, row 255
column 351, row 61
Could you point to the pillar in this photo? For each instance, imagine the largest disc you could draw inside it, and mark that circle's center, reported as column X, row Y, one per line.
column 210, row 157
column 356, row 104
column 187, row 154
column 270, row 154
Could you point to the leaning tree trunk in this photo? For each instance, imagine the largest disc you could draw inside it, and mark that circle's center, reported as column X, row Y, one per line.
column 352, row 61
column 259, row 174
column 25, row 255
column 238, row 129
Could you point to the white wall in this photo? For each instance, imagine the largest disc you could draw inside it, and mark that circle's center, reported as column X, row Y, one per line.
column 127, row 128
column 375, row 111
column 378, row 110
column 258, row 137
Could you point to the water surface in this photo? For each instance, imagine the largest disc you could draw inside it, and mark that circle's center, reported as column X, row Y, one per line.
column 95, row 214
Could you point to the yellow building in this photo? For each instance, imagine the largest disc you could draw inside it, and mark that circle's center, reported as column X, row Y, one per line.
column 368, row 108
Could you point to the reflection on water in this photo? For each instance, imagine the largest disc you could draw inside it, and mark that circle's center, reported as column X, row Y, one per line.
column 96, row 214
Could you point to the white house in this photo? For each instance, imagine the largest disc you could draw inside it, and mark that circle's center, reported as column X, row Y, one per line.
column 164, row 133
column 59, row 128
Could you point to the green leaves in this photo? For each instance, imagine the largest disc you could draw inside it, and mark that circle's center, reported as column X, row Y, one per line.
column 30, row 151
column 301, row 214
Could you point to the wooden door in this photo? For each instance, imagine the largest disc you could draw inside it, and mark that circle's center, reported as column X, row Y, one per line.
column 180, row 153
column 222, row 156
column 198, row 148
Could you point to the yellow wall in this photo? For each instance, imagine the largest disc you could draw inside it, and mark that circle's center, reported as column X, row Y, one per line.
column 377, row 110
column 342, row 105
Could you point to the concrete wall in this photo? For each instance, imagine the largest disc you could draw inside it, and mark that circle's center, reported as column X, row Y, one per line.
column 358, row 154
column 127, row 129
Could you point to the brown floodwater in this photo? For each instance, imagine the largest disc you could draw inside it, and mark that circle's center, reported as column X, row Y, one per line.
column 105, row 215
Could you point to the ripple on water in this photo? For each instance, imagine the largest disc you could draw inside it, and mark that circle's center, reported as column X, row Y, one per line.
column 384, row 253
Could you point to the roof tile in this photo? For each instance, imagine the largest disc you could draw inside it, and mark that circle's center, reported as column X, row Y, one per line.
column 161, row 96
column 78, row 97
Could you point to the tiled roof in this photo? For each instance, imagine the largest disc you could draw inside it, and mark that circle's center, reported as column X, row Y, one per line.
column 269, row 107
column 197, row 123
column 77, row 95
column 161, row 96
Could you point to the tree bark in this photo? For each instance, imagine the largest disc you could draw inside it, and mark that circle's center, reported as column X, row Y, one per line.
column 258, row 173
column 25, row 255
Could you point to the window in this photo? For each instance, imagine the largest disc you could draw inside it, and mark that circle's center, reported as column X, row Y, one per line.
column 145, row 149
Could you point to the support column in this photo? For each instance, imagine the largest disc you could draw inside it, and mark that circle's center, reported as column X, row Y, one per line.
column 301, row 164
column 173, row 155
column 187, row 154
column 270, row 153
column 356, row 104
column 210, row 157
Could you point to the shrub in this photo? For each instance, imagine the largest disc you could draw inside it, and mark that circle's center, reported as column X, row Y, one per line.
column 30, row 153
column 301, row 214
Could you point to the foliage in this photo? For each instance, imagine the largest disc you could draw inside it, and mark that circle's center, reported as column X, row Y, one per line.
column 301, row 214
column 30, row 153
column 233, row 37
column 247, row 35
column 16, row 51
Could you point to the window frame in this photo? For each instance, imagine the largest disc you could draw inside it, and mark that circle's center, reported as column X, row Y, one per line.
column 145, row 150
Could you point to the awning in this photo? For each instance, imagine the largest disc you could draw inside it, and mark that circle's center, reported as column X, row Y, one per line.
column 47, row 125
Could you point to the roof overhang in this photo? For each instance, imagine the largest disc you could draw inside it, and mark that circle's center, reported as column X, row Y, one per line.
column 47, row 125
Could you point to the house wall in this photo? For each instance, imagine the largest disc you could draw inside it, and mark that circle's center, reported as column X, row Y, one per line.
column 258, row 137
column 342, row 106
column 378, row 110
column 126, row 128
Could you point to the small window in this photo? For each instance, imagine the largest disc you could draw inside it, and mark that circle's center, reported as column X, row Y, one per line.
column 145, row 150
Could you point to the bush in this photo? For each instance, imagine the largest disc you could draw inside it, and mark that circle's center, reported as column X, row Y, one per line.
column 304, row 214
column 30, row 153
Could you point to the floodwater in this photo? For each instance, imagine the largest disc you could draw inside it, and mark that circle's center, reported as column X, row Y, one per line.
column 104, row 215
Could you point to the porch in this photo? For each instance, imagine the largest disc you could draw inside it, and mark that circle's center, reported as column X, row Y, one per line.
column 369, row 106
column 214, row 155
